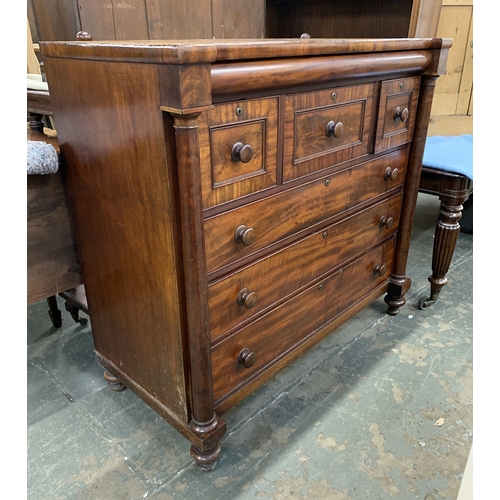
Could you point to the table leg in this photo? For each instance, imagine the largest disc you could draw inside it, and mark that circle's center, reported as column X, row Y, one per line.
column 445, row 240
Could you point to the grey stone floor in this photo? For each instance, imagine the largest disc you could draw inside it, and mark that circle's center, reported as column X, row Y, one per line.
column 381, row 409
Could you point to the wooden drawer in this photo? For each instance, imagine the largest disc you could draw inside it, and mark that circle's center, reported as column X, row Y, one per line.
column 294, row 322
column 242, row 295
column 326, row 127
column 397, row 112
column 285, row 214
column 238, row 149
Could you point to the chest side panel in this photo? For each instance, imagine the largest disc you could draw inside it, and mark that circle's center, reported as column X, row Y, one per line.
column 123, row 205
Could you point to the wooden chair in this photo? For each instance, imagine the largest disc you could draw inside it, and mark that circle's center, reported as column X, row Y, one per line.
column 447, row 173
column 53, row 267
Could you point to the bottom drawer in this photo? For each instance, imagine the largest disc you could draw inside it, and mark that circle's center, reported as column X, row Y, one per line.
column 248, row 353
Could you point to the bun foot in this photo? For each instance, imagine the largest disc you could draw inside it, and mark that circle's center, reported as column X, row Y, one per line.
column 113, row 382
column 394, row 304
column 206, row 460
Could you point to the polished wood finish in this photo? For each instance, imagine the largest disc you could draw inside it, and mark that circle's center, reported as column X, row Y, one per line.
column 276, row 277
column 313, row 138
column 52, row 260
column 223, row 19
column 453, row 191
column 285, row 215
column 200, row 244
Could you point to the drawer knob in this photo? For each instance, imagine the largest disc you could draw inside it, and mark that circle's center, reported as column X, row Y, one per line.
column 379, row 269
column 401, row 114
column 242, row 152
column 391, row 174
column 247, row 298
column 334, row 129
column 386, row 222
column 245, row 235
column 246, row 358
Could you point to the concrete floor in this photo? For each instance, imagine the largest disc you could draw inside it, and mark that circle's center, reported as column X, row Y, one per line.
column 381, row 409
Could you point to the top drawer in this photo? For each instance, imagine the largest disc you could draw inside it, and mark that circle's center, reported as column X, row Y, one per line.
column 397, row 112
column 238, row 149
column 326, row 127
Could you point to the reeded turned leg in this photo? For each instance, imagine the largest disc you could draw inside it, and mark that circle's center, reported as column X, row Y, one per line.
column 445, row 240
column 113, row 382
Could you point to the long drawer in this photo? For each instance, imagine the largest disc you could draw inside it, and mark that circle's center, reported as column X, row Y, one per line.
column 236, row 234
column 241, row 295
column 243, row 356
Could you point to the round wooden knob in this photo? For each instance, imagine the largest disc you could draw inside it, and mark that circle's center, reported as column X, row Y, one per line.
column 334, row 129
column 401, row 114
column 245, row 235
column 246, row 298
column 391, row 174
column 386, row 222
column 246, row 358
column 242, row 152
column 379, row 269
column 83, row 36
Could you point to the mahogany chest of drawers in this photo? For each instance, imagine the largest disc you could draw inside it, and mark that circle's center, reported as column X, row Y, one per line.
column 234, row 202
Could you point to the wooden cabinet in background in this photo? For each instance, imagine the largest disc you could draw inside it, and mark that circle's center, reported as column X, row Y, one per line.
column 235, row 202
column 225, row 19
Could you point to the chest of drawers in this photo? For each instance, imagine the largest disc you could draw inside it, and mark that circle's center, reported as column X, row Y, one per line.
column 235, row 202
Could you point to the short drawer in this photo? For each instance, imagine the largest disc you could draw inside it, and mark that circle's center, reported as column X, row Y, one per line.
column 326, row 127
column 245, row 355
column 245, row 293
column 239, row 233
column 238, row 149
column 397, row 112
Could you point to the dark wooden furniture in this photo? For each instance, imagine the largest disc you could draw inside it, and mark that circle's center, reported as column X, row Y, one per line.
column 52, row 259
column 222, row 19
column 52, row 262
column 235, row 202
column 453, row 190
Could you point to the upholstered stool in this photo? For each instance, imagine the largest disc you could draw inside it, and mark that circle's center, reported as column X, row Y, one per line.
column 447, row 173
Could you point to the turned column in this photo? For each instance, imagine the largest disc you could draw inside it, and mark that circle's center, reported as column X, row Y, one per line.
column 204, row 421
column 399, row 283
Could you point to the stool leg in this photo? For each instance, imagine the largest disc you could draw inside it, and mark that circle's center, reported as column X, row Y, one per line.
column 445, row 240
column 54, row 312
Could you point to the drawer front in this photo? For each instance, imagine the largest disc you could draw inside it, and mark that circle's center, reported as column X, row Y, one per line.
column 242, row 357
column 397, row 112
column 259, row 286
column 285, row 214
column 326, row 127
column 238, row 149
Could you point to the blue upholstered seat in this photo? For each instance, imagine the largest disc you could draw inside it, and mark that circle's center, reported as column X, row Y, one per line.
column 452, row 154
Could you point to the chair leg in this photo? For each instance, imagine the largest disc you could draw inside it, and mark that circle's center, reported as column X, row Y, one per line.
column 445, row 240
column 54, row 312
column 75, row 312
